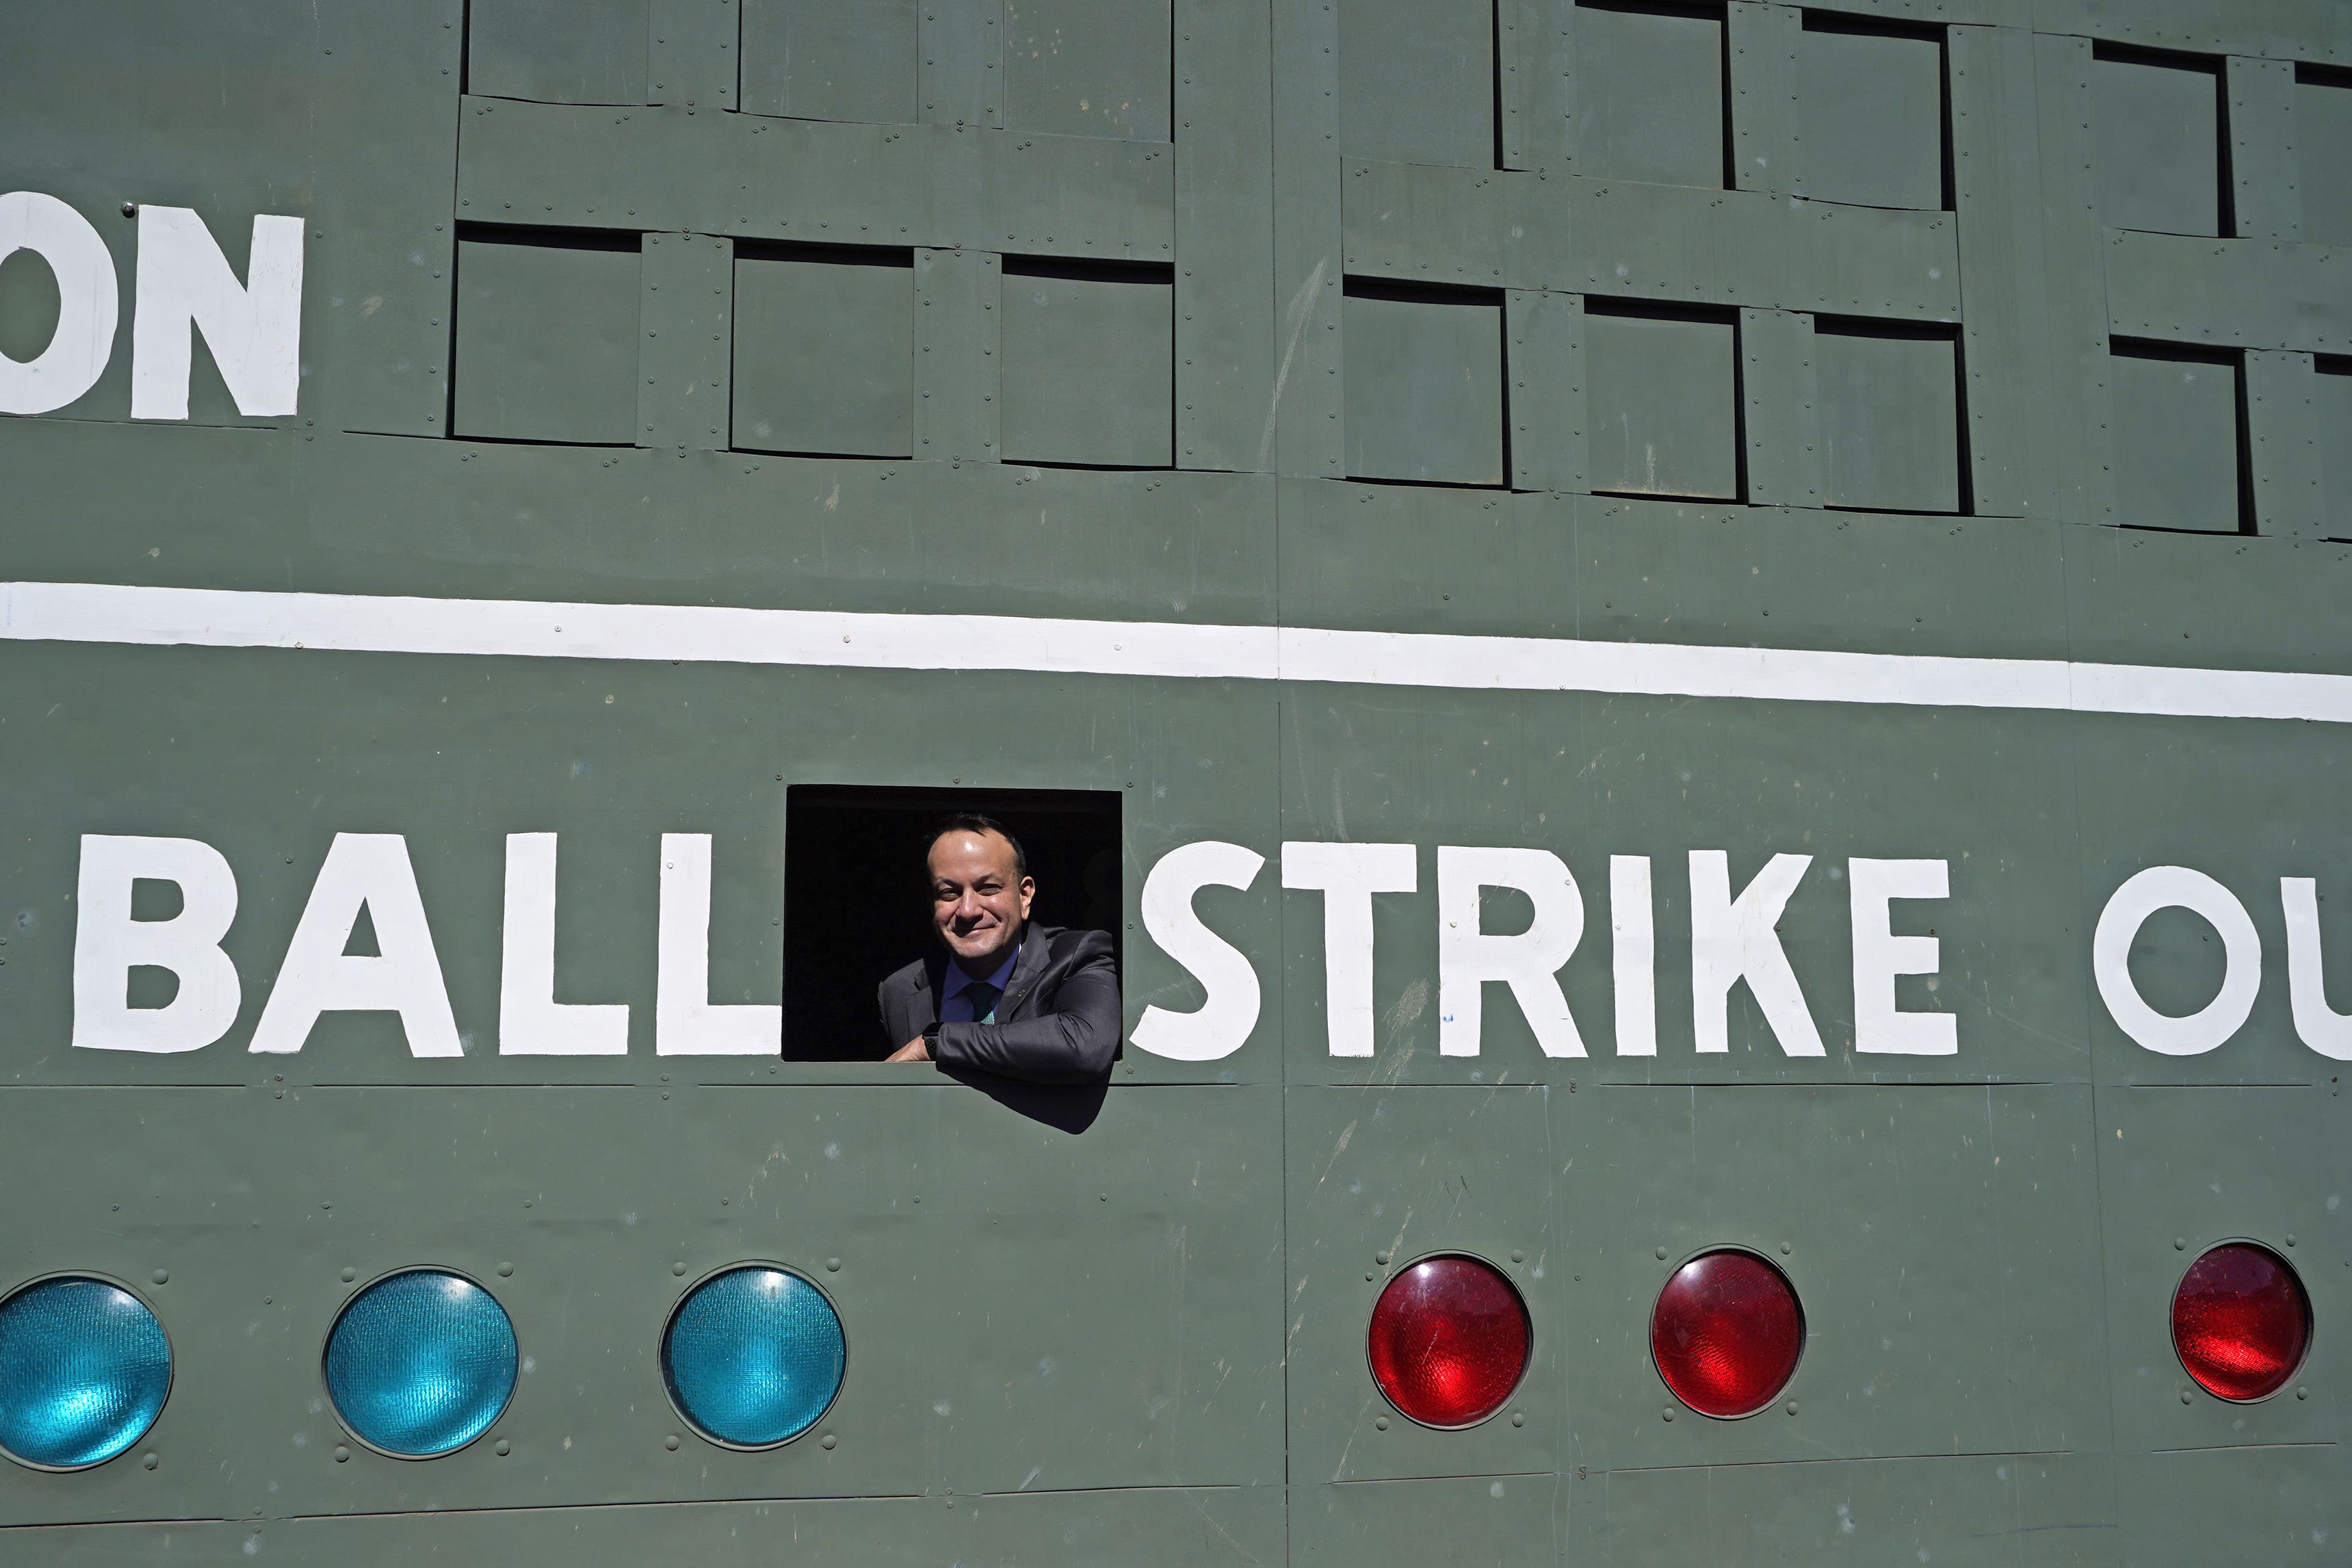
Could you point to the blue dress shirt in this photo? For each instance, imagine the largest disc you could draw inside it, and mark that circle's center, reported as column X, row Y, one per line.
column 955, row 1007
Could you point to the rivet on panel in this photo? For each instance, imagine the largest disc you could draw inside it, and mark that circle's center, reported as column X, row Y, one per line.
column 1661, row 1255
column 342, row 1455
column 1518, row 1418
column 1382, row 1422
column 150, row 1461
column 827, row 1440
column 1518, row 1256
column 350, row 1275
column 506, row 1271
column 2184, row 1397
column 833, row 1266
column 504, row 1447
column 677, row 1268
column 1381, row 1258
column 670, row 1442
column 163, row 1275
column 1668, row 1413
column 2299, row 1394
column 2180, row 1244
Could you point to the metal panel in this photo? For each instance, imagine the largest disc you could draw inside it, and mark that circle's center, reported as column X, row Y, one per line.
column 1870, row 107
column 2072, row 261
column 2159, row 144
column 688, row 326
column 1088, row 371
column 1505, row 1522
column 831, row 60
column 557, row 51
column 1546, row 362
column 1978, row 1334
column 2042, row 1509
column 1781, row 408
column 1225, row 324
column 813, row 181
column 2177, row 460
column 1889, row 419
column 1309, row 438
column 825, row 355
column 1424, row 388
column 1417, row 82
column 2244, row 293
column 1381, row 1177
column 1536, row 62
column 1768, row 153
column 1089, row 68
column 961, row 84
column 2179, row 1171
column 2322, row 147
column 1662, row 401
column 547, row 342
column 691, row 59
column 2013, row 447
column 2284, row 435
column 1420, row 223
column 2263, row 201
column 1650, row 95
column 958, row 373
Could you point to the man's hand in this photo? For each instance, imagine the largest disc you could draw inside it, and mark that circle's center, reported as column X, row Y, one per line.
column 914, row 1050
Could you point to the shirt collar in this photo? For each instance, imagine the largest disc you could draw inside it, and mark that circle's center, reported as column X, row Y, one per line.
column 959, row 981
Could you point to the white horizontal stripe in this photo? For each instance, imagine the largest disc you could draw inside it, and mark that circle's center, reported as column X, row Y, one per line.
column 207, row 618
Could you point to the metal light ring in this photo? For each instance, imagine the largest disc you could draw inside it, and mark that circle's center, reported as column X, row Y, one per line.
column 2310, row 1314
column 171, row 1363
column 351, row 1295
column 670, row 1320
column 1527, row 1312
column 1804, row 1325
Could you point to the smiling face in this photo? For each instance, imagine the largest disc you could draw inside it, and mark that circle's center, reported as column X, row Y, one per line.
column 979, row 901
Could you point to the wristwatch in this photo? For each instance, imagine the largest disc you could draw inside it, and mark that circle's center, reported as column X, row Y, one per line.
column 931, row 1039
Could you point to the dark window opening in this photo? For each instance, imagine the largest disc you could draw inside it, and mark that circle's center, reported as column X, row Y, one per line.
column 856, row 907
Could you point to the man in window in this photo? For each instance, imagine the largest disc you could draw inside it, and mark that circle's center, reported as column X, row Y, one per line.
column 1000, row 995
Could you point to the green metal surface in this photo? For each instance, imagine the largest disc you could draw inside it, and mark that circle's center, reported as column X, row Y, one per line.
column 2002, row 336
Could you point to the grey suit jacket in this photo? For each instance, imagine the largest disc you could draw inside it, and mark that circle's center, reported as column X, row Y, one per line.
column 1058, row 1022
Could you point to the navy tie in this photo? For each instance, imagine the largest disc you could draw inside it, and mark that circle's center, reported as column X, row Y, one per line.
column 983, row 997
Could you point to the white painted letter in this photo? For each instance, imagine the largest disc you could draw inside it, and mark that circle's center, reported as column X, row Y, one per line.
column 1347, row 875
column 88, row 300
column 369, row 871
column 1734, row 940
column 109, row 945
column 2315, row 1023
column 1528, row 962
column 254, row 329
column 1879, row 955
column 2175, row 887
column 531, row 1023
column 685, row 1024
column 1223, row 1022
column 1634, row 954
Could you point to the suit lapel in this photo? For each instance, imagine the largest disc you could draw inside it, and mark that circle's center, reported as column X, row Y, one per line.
column 1026, row 969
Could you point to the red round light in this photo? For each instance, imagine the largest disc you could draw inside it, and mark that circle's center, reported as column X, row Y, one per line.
column 1727, row 1334
column 2240, row 1321
column 1448, row 1342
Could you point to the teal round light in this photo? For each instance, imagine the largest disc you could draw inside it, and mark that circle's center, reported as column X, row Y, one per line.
column 420, row 1363
column 84, row 1370
column 754, row 1356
